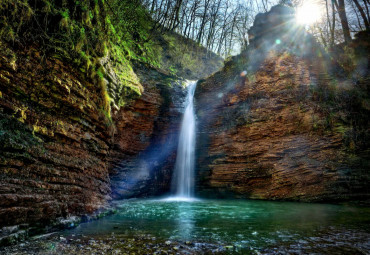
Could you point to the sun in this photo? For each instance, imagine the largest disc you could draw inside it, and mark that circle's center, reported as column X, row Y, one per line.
column 309, row 13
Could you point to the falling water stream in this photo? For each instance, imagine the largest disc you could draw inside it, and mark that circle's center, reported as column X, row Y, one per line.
column 183, row 180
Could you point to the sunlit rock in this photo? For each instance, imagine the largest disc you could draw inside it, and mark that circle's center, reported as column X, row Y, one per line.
column 269, row 135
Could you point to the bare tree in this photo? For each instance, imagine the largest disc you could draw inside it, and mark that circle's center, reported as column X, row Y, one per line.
column 340, row 6
column 363, row 14
column 222, row 25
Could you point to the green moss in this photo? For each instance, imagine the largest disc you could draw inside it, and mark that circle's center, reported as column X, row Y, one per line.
column 173, row 70
column 108, row 117
column 182, row 56
column 64, row 28
column 65, row 13
column 14, row 135
column 87, row 33
column 100, row 73
column 106, row 98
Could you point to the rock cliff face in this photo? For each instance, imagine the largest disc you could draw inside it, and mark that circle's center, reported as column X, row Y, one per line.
column 263, row 135
column 60, row 152
column 145, row 144
column 54, row 140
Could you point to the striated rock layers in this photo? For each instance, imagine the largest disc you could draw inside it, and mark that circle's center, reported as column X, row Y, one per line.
column 54, row 140
column 61, row 154
column 265, row 135
column 145, row 144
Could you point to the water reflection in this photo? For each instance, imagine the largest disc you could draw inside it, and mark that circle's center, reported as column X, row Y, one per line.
column 184, row 221
column 243, row 223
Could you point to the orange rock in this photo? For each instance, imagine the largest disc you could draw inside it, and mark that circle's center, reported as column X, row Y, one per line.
column 265, row 144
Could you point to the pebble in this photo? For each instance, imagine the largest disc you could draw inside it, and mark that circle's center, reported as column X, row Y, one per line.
column 144, row 244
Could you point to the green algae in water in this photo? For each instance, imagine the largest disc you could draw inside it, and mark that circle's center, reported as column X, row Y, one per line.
column 257, row 224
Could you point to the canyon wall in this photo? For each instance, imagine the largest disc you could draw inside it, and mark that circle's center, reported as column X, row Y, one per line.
column 267, row 128
column 145, row 144
column 54, row 140
column 63, row 154
column 86, row 114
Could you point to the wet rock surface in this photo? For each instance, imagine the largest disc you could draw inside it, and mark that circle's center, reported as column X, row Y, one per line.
column 114, row 244
column 332, row 242
column 336, row 242
column 145, row 143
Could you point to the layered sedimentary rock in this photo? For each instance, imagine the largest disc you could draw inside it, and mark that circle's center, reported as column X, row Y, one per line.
column 63, row 154
column 262, row 132
column 60, row 149
column 54, row 140
column 145, row 144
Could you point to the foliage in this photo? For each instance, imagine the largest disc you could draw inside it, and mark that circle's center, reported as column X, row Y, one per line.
column 85, row 32
column 218, row 25
column 345, row 104
column 184, row 57
column 15, row 136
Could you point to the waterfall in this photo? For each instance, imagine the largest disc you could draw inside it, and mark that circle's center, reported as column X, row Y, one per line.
column 183, row 181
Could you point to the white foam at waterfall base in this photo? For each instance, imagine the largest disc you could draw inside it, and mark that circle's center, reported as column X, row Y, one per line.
column 180, row 199
column 183, row 178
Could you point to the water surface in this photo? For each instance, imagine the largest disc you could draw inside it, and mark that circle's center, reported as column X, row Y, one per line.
column 254, row 225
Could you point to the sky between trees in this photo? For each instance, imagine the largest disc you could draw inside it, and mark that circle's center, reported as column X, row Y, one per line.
column 222, row 25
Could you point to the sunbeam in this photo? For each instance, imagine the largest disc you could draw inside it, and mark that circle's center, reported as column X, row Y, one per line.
column 309, row 13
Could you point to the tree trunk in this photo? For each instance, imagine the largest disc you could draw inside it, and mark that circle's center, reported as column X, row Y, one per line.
column 340, row 5
column 174, row 21
column 331, row 32
column 204, row 21
column 363, row 15
column 153, row 6
column 367, row 9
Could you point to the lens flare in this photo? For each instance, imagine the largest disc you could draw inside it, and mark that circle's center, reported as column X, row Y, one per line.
column 309, row 13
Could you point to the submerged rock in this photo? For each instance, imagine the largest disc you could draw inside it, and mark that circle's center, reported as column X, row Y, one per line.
column 334, row 242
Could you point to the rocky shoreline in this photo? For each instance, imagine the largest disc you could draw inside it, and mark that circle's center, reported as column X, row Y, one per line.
column 55, row 243
column 12, row 235
column 333, row 241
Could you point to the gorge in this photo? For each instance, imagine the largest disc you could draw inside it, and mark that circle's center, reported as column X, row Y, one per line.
column 141, row 160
